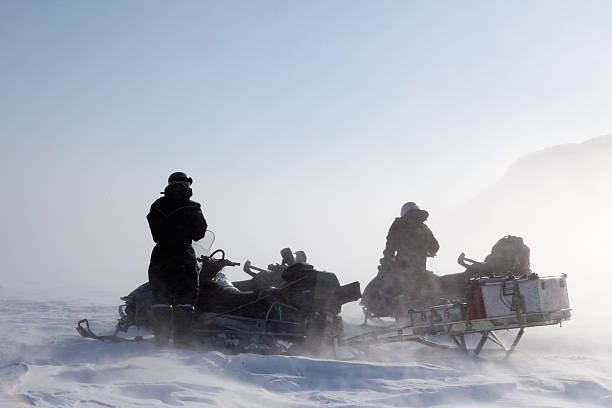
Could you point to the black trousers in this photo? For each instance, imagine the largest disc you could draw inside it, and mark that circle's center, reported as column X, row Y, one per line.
column 173, row 276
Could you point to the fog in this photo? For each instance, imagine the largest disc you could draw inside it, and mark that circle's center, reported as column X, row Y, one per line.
column 93, row 233
column 558, row 200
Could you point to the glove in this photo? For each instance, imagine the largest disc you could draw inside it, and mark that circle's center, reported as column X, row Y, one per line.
column 385, row 265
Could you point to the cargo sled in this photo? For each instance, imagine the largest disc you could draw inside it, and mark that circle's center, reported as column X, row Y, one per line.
column 490, row 304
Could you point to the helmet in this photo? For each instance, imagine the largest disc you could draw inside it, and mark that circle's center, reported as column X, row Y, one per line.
column 408, row 207
column 300, row 257
column 180, row 178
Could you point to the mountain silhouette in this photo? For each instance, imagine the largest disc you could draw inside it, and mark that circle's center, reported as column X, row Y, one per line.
column 560, row 201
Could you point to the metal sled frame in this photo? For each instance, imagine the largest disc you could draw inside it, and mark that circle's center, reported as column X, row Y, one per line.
column 458, row 330
column 85, row 331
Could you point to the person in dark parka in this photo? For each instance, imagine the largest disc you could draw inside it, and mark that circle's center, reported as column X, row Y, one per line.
column 402, row 274
column 410, row 241
column 175, row 222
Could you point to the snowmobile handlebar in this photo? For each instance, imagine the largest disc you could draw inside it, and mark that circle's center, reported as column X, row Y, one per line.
column 463, row 261
column 210, row 259
column 210, row 266
column 247, row 269
column 218, row 261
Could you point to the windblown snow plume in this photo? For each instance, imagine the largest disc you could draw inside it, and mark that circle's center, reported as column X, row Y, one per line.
column 45, row 364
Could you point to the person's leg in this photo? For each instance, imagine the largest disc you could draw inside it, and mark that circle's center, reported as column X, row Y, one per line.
column 184, row 300
column 162, row 301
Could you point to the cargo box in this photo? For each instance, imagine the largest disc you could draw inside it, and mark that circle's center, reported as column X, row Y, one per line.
column 529, row 295
column 452, row 312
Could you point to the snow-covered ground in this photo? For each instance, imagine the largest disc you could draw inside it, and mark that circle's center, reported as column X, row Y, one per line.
column 44, row 363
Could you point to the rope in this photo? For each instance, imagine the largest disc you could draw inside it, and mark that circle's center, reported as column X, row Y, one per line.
column 209, row 320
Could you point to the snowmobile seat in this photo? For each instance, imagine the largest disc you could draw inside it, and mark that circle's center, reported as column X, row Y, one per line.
column 219, row 296
column 312, row 290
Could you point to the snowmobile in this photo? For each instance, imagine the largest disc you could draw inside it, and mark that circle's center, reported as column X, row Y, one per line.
column 302, row 316
column 386, row 296
column 392, row 294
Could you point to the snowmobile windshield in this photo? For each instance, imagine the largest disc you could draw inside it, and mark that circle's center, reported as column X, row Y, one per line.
column 203, row 246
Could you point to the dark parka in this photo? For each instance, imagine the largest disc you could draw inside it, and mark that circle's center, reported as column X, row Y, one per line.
column 175, row 221
column 403, row 281
column 410, row 241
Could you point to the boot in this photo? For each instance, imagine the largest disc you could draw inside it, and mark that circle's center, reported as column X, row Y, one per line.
column 162, row 323
column 183, row 318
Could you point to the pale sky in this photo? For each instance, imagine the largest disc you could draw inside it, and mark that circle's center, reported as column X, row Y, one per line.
column 303, row 124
